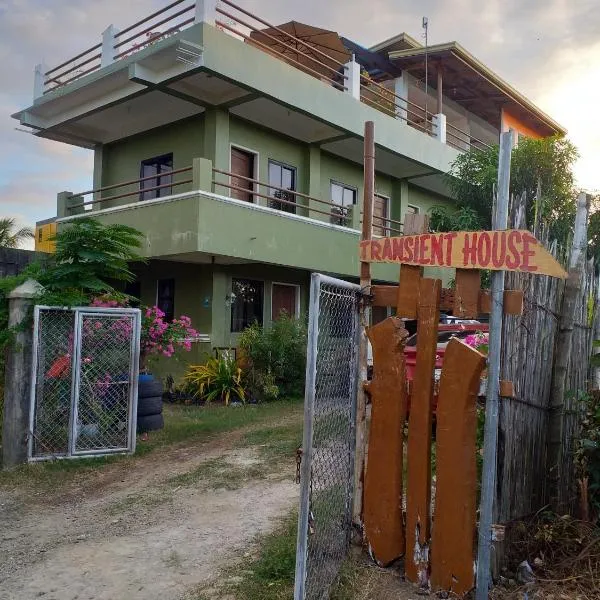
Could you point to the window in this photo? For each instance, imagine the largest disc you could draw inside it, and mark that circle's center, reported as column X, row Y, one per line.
column 284, row 177
column 40, row 234
column 411, row 209
column 381, row 212
column 153, row 168
column 165, row 297
column 344, row 197
column 246, row 303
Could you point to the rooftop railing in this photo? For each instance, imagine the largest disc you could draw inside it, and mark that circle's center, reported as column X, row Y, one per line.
column 299, row 52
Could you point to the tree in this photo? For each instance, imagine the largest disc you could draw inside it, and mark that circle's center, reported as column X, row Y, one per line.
column 541, row 169
column 11, row 238
column 91, row 256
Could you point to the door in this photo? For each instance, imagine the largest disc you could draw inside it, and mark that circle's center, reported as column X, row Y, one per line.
column 380, row 214
column 284, row 300
column 242, row 164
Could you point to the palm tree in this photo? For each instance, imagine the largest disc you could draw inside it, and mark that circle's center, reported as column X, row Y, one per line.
column 9, row 238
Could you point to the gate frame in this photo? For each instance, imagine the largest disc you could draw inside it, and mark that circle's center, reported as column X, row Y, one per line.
column 134, row 356
column 309, row 405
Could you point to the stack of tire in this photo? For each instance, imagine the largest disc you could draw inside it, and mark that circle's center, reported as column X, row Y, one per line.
column 150, row 404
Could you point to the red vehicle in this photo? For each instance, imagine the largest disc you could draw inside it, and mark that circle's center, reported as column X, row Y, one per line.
column 458, row 330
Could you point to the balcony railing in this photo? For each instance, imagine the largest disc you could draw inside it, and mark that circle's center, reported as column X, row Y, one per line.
column 256, row 31
column 238, row 187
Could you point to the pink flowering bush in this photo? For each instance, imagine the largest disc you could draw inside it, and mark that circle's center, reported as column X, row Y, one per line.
column 160, row 337
column 480, row 341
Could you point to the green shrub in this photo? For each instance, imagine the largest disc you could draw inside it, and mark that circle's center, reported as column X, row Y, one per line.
column 276, row 358
column 218, row 379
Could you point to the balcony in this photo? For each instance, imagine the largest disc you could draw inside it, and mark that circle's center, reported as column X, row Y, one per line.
column 200, row 220
column 176, row 51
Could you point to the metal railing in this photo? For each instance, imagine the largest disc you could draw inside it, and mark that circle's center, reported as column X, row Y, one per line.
column 122, row 44
column 334, row 70
column 284, row 199
column 140, row 191
column 461, row 140
column 386, row 225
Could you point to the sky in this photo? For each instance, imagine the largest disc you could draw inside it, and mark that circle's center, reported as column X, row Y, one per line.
column 548, row 49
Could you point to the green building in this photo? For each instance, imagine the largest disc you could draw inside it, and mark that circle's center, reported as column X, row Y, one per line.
column 236, row 148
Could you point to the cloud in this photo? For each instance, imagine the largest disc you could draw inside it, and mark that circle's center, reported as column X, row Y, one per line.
column 548, row 49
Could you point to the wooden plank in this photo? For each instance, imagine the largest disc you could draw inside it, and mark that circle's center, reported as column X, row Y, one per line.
column 365, row 283
column 507, row 389
column 382, row 511
column 466, row 294
column 387, row 295
column 418, row 497
column 456, row 470
column 406, row 303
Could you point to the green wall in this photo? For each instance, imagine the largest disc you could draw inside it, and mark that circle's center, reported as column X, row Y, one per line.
column 121, row 160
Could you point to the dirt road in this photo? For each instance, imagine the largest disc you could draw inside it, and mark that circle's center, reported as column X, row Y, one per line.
column 154, row 529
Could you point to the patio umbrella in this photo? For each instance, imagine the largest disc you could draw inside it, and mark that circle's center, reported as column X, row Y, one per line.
column 307, row 41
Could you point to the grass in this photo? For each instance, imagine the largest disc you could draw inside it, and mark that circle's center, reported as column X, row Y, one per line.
column 192, row 424
column 270, row 575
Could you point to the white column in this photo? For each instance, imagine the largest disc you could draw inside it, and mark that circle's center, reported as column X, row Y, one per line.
column 206, row 11
column 352, row 82
column 108, row 46
column 440, row 127
column 401, row 90
column 39, row 77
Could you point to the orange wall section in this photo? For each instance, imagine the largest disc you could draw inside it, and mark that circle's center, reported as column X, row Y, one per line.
column 511, row 122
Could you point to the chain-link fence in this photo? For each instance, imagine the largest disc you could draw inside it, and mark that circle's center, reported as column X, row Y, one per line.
column 327, row 477
column 84, row 389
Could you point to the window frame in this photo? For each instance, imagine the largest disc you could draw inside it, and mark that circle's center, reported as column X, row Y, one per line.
column 156, row 179
column 341, row 219
column 231, row 302
column 273, row 201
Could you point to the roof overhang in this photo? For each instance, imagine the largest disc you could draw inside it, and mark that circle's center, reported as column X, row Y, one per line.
column 468, row 82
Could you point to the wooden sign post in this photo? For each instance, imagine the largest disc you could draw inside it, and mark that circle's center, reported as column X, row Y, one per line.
column 450, row 561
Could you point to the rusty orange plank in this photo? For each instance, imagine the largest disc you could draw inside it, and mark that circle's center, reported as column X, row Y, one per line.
column 456, row 470
column 408, row 288
column 382, row 507
column 466, row 295
column 418, row 497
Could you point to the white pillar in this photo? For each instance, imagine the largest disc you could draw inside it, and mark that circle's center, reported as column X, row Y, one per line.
column 352, row 82
column 108, row 46
column 206, row 11
column 39, row 78
column 401, row 90
column 440, row 127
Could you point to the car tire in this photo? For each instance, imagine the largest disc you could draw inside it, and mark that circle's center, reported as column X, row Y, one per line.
column 150, row 423
column 149, row 406
column 150, row 389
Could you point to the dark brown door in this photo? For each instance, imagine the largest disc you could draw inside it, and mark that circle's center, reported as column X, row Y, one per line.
column 242, row 163
column 284, row 300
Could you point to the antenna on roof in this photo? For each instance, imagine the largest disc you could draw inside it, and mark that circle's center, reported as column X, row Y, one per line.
column 425, row 25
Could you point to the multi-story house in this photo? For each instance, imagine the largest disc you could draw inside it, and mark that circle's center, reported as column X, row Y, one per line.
column 236, row 148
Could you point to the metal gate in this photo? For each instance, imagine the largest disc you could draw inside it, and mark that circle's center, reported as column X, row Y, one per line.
column 84, row 381
column 327, row 477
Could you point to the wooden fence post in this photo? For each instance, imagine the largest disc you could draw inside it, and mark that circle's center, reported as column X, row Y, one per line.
column 558, row 488
column 17, row 386
column 365, row 283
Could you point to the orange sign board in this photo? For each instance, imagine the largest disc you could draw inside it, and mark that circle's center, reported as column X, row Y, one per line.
column 510, row 250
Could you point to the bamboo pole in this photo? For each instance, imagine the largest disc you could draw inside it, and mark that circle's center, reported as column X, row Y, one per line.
column 564, row 343
column 490, row 443
column 365, row 284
